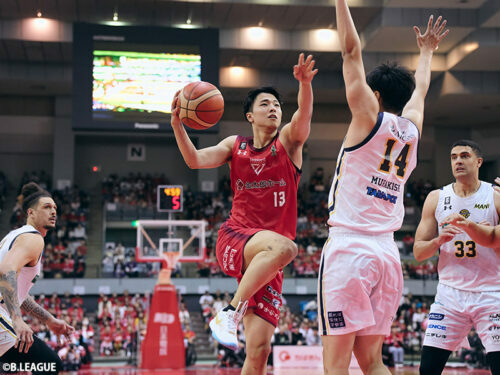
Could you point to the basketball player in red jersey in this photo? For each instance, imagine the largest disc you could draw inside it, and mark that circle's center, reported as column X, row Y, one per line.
column 256, row 241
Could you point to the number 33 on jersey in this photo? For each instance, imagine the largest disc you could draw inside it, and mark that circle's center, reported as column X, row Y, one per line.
column 368, row 187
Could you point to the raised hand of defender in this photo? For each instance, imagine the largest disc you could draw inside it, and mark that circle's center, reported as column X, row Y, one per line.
column 497, row 188
column 304, row 71
column 434, row 34
column 175, row 120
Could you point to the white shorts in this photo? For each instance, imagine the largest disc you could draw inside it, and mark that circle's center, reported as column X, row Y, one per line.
column 454, row 312
column 7, row 334
column 360, row 284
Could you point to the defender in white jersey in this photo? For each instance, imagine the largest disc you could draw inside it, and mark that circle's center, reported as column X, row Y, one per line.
column 360, row 282
column 468, row 293
column 20, row 259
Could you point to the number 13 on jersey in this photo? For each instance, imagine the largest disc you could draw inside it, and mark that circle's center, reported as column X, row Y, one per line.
column 279, row 198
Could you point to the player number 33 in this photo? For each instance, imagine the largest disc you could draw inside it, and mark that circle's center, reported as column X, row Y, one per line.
column 461, row 248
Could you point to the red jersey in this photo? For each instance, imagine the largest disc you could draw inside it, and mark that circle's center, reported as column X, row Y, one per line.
column 264, row 183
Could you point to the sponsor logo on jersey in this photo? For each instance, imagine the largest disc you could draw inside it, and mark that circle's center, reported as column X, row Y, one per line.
column 482, row 206
column 381, row 195
column 465, row 213
column 276, row 303
column 436, row 335
column 495, row 317
column 265, row 299
column 447, row 205
column 494, row 328
column 264, row 184
column 239, row 184
column 241, row 152
column 336, row 319
column 386, row 184
column 35, row 279
column 401, row 134
column 243, row 145
column 436, row 316
column 273, row 150
column 257, row 165
column 437, row 326
column 495, row 338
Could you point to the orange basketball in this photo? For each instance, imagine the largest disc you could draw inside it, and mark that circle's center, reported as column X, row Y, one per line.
column 202, row 105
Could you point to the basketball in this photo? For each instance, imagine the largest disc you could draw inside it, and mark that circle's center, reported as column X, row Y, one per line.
column 202, row 105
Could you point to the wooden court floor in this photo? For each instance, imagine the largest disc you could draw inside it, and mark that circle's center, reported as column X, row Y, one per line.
column 211, row 370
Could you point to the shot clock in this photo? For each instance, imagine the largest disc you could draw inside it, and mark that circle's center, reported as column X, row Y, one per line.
column 169, row 198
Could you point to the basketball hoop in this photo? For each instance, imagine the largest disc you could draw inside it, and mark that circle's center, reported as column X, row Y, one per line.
column 170, row 259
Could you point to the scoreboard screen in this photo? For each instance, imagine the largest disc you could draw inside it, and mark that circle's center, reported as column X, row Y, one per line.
column 169, row 198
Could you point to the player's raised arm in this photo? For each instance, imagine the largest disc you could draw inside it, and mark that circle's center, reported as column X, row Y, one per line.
column 428, row 43
column 360, row 98
column 427, row 239
column 299, row 128
column 209, row 157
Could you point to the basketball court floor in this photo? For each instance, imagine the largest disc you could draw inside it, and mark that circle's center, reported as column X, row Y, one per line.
column 211, row 370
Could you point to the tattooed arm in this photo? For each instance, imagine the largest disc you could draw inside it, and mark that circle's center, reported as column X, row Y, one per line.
column 30, row 307
column 58, row 326
column 25, row 251
column 8, row 289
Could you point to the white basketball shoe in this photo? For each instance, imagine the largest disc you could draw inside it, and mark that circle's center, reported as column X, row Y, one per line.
column 224, row 325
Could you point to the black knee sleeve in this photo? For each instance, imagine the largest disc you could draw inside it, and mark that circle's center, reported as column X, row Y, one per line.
column 39, row 352
column 433, row 360
column 493, row 359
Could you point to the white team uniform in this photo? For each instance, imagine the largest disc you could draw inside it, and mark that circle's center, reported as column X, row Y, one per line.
column 27, row 276
column 361, row 282
column 468, row 292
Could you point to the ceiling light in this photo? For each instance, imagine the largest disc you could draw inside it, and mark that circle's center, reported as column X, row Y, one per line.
column 237, row 71
column 470, row 47
column 188, row 21
column 115, row 16
column 257, row 33
column 39, row 13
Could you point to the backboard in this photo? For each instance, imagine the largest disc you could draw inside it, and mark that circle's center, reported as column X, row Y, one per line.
column 154, row 237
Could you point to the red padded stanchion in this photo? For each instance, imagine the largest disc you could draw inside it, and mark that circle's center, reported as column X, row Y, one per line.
column 163, row 346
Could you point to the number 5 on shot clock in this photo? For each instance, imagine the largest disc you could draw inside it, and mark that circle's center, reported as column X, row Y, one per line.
column 169, row 198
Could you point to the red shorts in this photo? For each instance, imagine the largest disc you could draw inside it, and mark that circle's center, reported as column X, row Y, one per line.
column 231, row 242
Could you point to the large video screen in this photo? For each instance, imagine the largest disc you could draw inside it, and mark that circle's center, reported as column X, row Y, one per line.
column 124, row 78
column 139, row 82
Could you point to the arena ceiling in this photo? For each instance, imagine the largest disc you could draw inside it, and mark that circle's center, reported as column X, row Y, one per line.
column 466, row 70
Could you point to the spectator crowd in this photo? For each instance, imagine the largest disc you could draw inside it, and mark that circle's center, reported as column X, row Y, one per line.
column 77, row 352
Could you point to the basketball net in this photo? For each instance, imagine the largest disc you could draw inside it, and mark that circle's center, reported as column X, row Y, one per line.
column 171, row 258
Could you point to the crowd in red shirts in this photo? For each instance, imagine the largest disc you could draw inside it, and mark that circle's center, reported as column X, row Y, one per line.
column 122, row 321
column 76, row 352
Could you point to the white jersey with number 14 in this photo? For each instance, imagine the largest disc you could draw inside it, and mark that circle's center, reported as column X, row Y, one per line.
column 368, row 188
